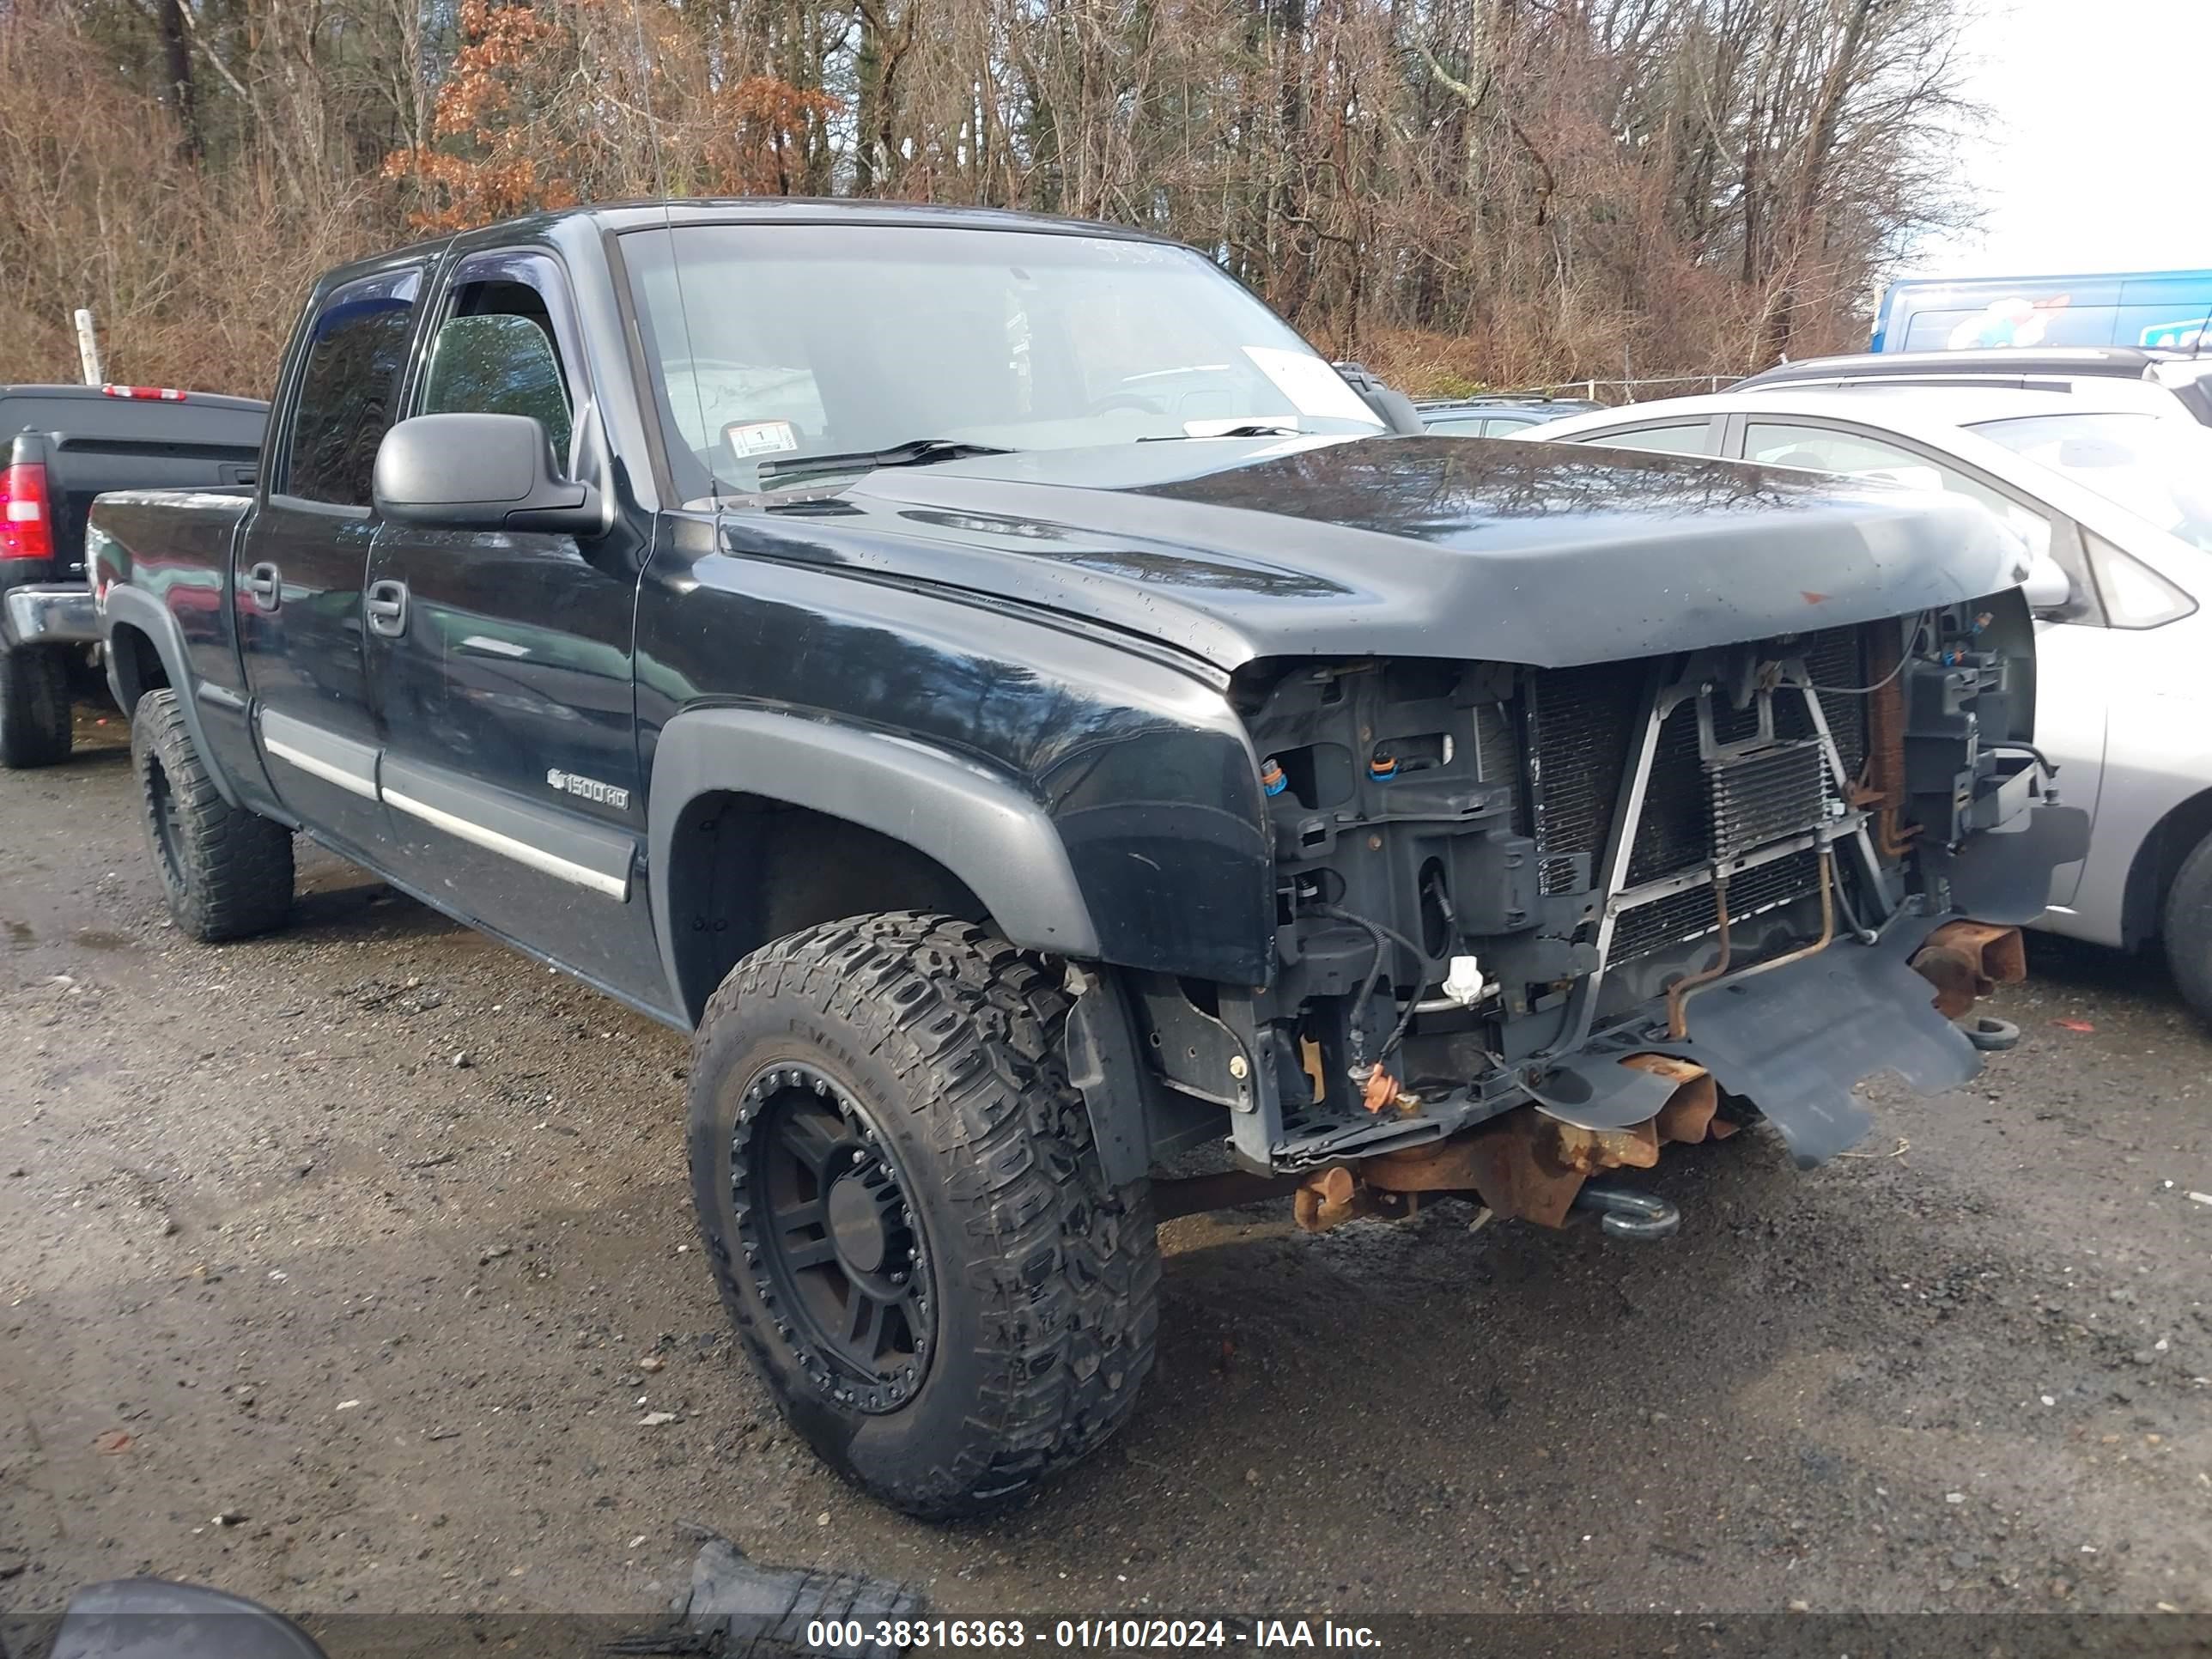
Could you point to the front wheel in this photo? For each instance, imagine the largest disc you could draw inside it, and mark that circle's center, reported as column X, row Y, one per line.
column 906, row 1216
column 2186, row 927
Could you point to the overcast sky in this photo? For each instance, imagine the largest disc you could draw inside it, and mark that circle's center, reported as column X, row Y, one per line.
column 2094, row 161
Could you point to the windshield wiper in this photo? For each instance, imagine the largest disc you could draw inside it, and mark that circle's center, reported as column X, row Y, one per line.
column 915, row 451
column 1258, row 428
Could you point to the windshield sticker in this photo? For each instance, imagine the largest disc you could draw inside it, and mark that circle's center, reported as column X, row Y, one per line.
column 747, row 439
column 1312, row 386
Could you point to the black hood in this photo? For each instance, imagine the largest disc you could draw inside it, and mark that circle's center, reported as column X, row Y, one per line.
column 1549, row 554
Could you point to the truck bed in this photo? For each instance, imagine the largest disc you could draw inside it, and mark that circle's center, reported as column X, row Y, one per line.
column 167, row 540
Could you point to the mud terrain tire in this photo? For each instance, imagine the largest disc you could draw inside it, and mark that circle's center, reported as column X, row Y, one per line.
column 227, row 871
column 879, row 1110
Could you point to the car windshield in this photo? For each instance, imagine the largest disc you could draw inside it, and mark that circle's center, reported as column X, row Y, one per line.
column 2158, row 468
column 775, row 342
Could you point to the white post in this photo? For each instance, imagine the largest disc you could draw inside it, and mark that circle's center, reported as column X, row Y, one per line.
column 87, row 349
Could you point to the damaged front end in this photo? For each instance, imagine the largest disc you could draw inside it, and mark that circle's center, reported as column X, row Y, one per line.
column 1535, row 925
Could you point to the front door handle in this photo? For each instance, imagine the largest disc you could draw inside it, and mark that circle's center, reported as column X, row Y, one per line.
column 386, row 605
column 266, row 584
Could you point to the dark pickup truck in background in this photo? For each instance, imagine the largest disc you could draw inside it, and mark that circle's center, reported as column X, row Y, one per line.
column 1019, row 707
column 60, row 446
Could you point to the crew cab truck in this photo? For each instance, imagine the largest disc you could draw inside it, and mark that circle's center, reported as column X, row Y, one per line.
column 60, row 446
column 1014, row 702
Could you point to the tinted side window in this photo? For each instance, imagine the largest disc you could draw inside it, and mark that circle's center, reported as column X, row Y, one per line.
column 1685, row 439
column 497, row 354
column 348, row 388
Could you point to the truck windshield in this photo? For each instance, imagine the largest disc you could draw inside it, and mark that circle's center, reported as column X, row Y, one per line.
column 2158, row 468
column 774, row 342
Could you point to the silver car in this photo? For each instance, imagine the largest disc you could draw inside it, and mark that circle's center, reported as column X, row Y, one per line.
column 2115, row 493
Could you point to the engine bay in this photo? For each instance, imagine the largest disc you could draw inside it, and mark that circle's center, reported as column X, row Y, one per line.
column 1481, row 867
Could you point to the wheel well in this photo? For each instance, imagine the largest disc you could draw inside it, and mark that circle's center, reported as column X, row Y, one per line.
column 134, row 666
column 2157, row 862
column 745, row 869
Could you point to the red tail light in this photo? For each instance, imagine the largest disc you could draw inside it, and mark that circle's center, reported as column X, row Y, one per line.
column 166, row 394
column 27, row 526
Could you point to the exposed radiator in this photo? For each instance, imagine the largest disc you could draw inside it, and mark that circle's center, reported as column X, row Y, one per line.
column 1691, row 914
column 1674, row 830
column 1581, row 727
column 1580, row 722
column 1835, row 656
column 1763, row 795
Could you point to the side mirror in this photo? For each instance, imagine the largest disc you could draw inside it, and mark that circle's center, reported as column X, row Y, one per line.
column 476, row 471
column 2047, row 587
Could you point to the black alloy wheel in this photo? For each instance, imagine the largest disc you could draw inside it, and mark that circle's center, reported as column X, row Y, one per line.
column 906, row 1216
column 824, row 1218
column 164, row 824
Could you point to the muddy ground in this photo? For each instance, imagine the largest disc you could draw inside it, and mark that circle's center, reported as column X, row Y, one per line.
column 371, row 1239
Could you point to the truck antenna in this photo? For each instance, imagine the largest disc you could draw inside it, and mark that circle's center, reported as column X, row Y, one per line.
column 652, row 121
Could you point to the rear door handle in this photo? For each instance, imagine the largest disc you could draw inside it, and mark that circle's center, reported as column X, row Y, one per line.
column 266, row 584
column 386, row 605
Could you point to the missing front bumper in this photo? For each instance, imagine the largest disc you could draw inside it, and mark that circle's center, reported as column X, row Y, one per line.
column 1792, row 1039
column 1797, row 1041
column 1793, row 1043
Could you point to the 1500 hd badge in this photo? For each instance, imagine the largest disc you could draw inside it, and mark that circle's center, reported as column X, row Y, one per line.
column 590, row 788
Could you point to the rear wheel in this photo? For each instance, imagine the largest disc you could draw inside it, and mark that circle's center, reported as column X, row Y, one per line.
column 34, row 706
column 227, row 871
column 906, row 1216
column 2187, row 929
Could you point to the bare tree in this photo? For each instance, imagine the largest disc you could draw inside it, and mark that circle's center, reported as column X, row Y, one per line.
column 1462, row 191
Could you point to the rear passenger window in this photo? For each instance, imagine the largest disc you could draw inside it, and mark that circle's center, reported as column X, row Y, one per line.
column 349, row 388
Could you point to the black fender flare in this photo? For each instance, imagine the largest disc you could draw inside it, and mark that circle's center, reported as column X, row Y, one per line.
column 138, row 609
column 974, row 821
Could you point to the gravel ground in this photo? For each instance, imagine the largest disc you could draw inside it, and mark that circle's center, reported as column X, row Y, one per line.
column 339, row 1269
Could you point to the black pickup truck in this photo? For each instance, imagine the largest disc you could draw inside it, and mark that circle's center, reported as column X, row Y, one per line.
column 1010, row 699
column 60, row 446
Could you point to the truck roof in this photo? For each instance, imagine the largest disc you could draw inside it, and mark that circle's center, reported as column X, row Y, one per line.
column 647, row 215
